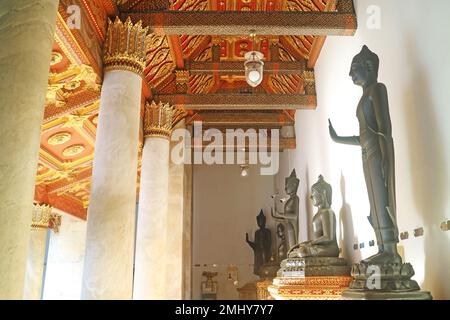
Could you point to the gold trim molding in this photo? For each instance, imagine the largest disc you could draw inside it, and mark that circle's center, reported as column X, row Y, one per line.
column 125, row 46
column 309, row 288
column 158, row 120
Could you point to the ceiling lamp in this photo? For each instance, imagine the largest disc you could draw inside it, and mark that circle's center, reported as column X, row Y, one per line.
column 244, row 170
column 254, row 66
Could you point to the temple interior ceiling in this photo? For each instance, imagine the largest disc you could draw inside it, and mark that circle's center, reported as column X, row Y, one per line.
column 195, row 66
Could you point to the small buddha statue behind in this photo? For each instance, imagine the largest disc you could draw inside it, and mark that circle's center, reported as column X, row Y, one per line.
column 320, row 255
column 324, row 243
column 261, row 245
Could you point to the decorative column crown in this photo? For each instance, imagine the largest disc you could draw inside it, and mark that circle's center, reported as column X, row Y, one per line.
column 158, row 119
column 125, row 46
column 44, row 218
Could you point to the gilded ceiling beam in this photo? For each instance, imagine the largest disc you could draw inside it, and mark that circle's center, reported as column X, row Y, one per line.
column 228, row 23
column 237, row 67
column 226, row 101
column 242, row 118
column 320, row 40
column 283, row 144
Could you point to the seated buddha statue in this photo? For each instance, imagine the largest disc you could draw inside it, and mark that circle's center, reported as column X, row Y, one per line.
column 323, row 243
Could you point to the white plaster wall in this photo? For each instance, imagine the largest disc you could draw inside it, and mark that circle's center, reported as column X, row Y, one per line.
column 63, row 275
column 225, row 208
column 413, row 46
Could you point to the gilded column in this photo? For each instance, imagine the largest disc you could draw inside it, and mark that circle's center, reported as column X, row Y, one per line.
column 42, row 220
column 25, row 49
column 108, row 267
column 151, row 240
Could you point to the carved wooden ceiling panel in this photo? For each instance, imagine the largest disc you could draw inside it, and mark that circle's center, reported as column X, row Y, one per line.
column 71, row 108
column 75, row 77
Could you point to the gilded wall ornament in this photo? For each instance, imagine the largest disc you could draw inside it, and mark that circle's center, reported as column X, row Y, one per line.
column 160, row 64
column 69, row 83
column 309, row 82
column 75, row 121
column 182, row 80
column 54, row 222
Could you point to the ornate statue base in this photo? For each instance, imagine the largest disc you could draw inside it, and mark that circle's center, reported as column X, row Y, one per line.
column 388, row 281
column 248, row 291
column 257, row 290
column 266, row 273
column 312, row 278
column 314, row 267
column 262, row 289
column 309, row 288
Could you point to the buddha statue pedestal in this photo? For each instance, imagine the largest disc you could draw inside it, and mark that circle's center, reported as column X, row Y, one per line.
column 309, row 288
column 311, row 278
column 262, row 289
column 384, row 281
column 248, row 291
column 267, row 273
column 256, row 290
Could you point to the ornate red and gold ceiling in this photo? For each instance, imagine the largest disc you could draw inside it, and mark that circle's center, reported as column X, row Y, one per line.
column 195, row 65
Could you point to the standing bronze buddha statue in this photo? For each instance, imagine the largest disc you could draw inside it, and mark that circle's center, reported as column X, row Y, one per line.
column 377, row 146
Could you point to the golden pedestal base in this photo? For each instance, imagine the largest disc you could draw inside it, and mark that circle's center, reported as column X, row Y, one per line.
column 248, row 291
column 262, row 289
column 309, row 288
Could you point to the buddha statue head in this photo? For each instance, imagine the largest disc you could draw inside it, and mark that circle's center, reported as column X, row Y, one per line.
column 321, row 194
column 291, row 183
column 364, row 68
column 261, row 220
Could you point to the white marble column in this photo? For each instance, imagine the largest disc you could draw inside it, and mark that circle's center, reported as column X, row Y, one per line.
column 108, row 267
column 178, row 226
column 65, row 259
column 43, row 220
column 187, row 233
column 26, row 39
column 35, row 264
column 151, row 241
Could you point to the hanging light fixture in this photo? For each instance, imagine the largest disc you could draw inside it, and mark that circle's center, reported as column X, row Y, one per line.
column 244, row 170
column 254, row 66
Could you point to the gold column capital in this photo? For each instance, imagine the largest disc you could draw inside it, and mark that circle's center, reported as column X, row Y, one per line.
column 43, row 218
column 158, row 119
column 125, row 46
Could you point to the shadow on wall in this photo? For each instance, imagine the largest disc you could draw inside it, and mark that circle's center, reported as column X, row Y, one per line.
column 308, row 205
column 428, row 173
column 347, row 235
